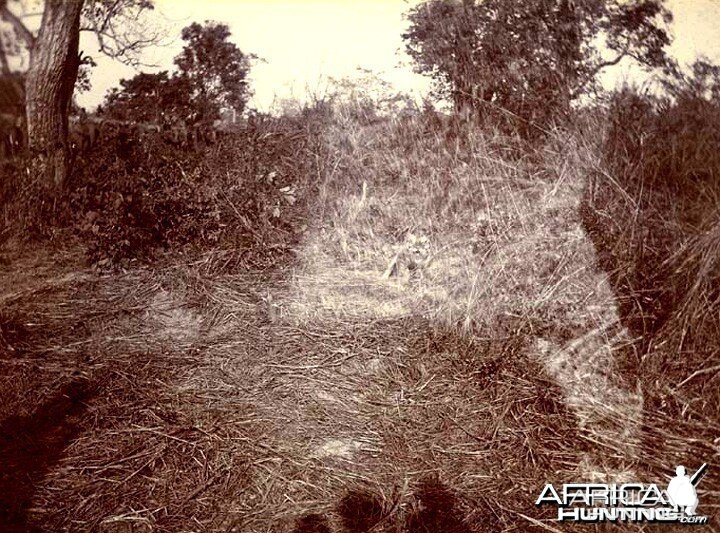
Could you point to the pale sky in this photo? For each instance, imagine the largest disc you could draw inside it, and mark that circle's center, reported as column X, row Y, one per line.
column 305, row 42
column 302, row 43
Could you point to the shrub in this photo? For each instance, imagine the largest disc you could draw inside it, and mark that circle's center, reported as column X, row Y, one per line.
column 133, row 195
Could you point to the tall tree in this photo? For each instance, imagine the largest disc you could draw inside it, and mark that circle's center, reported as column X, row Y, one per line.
column 211, row 76
column 530, row 57
column 54, row 66
column 121, row 33
column 215, row 68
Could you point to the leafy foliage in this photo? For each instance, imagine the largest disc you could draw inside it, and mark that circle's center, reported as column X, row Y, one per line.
column 215, row 69
column 136, row 197
column 701, row 82
column 148, row 97
column 83, row 83
column 531, row 58
column 211, row 76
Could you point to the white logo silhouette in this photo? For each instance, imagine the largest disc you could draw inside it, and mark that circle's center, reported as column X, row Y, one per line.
column 681, row 489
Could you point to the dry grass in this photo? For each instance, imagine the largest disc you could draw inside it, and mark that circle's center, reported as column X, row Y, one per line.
column 443, row 346
column 248, row 422
column 651, row 212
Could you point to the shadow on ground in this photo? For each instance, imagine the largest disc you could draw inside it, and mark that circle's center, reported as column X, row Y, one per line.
column 215, row 432
column 477, row 432
column 433, row 509
column 31, row 445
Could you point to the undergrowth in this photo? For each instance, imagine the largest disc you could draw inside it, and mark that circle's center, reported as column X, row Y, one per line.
column 133, row 197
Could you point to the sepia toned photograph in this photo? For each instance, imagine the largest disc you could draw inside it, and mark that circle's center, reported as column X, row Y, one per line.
column 359, row 266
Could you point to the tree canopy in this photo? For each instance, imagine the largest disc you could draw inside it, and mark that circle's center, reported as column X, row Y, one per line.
column 531, row 57
column 146, row 97
column 211, row 76
column 215, row 68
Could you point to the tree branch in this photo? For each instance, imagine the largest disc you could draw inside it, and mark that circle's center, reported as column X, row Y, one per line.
column 17, row 25
column 4, row 66
column 118, row 27
column 596, row 69
column 610, row 63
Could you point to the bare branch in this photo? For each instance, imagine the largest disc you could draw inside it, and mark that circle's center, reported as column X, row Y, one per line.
column 17, row 24
column 121, row 32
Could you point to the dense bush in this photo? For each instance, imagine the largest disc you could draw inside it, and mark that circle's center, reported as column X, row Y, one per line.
column 522, row 64
column 135, row 195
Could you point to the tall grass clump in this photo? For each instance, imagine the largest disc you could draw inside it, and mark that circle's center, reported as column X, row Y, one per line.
column 654, row 216
column 425, row 214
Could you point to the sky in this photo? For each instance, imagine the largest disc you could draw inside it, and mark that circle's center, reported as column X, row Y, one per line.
column 303, row 43
column 300, row 43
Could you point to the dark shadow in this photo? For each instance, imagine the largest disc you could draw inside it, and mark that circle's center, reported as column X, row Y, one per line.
column 360, row 510
column 435, row 510
column 30, row 445
column 312, row 523
column 634, row 260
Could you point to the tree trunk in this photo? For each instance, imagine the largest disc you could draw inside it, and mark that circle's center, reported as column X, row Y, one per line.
column 53, row 70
